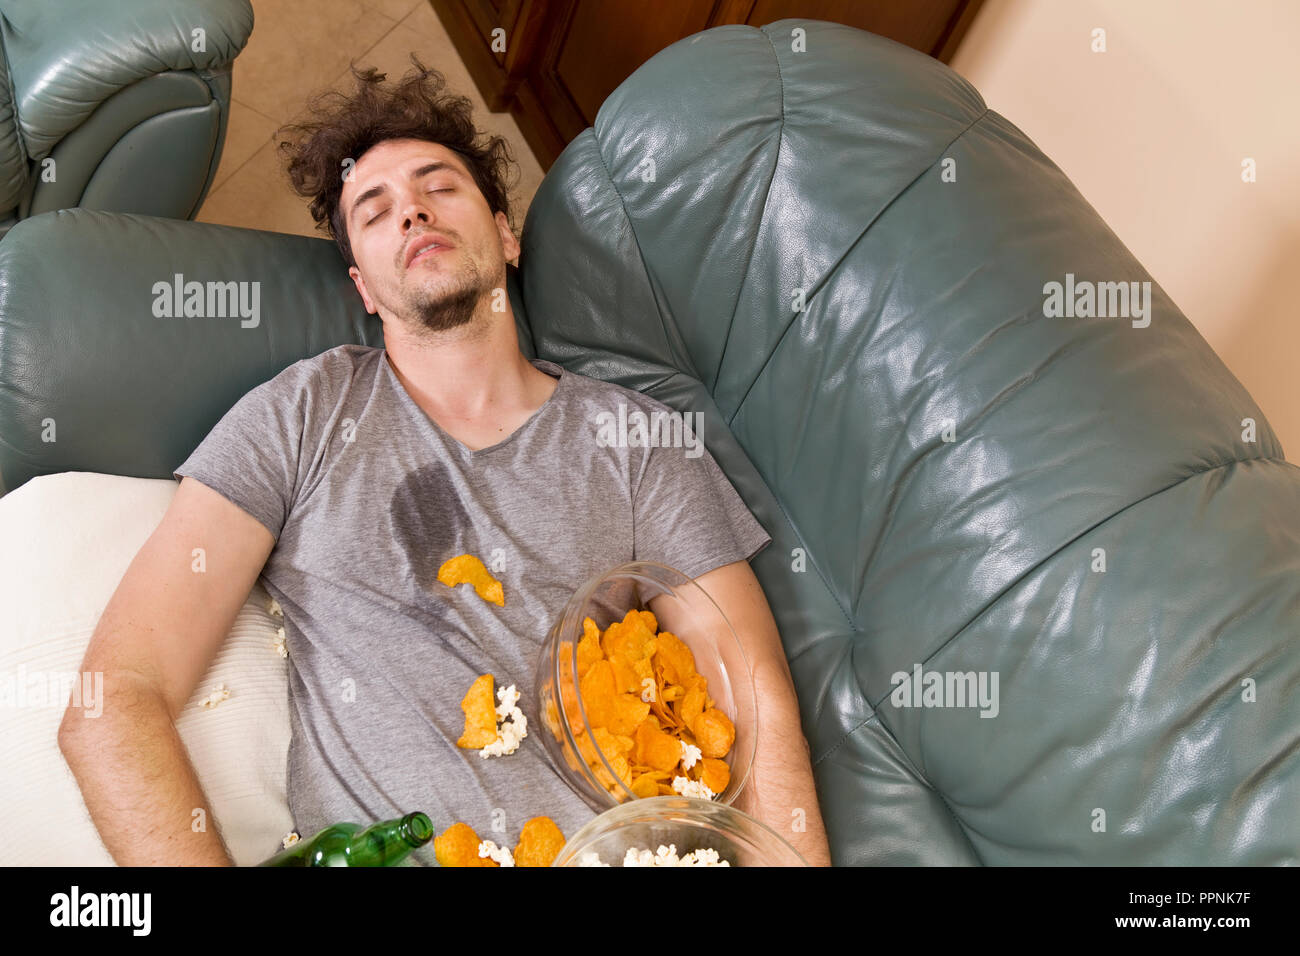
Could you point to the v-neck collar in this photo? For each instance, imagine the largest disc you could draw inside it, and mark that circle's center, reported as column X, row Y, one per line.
column 551, row 368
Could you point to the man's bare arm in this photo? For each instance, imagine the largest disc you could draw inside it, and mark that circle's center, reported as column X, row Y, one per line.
column 157, row 637
column 781, row 792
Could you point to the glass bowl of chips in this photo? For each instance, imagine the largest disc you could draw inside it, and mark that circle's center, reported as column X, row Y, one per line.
column 645, row 691
column 679, row 831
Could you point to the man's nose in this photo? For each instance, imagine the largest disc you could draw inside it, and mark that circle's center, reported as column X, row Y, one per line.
column 415, row 214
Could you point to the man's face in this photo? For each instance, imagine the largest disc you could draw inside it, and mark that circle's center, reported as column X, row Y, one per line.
column 402, row 194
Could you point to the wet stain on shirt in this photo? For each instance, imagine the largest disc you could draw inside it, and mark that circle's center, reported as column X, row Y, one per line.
column 429, row 524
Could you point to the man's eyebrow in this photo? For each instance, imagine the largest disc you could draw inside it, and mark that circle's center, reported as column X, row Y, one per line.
column 424, row 170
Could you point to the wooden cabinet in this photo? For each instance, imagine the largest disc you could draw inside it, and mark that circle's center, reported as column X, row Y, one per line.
column 552, row 63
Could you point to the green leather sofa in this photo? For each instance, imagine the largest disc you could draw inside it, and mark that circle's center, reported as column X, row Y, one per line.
column 114, row 104
column 957, row 479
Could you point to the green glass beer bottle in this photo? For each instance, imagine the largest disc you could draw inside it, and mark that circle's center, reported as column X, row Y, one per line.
column 346, row 844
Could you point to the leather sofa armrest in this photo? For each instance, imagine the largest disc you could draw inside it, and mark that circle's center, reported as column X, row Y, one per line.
column 66, row 57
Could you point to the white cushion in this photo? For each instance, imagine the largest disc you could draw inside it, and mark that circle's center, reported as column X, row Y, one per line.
column 65, row 543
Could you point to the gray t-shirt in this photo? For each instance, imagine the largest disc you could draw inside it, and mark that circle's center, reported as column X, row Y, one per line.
column 367, row 496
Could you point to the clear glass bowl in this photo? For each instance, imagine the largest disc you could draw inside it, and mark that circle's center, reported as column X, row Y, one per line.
column 684, row 822
column 682, row 607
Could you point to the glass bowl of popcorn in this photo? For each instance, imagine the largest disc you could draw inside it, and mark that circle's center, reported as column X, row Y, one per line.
column 676, row 831
column 644, row 691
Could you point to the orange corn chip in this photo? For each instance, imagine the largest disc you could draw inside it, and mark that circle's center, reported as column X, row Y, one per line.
column 569, row 700
column 661, row 710
column 692, row 706
column 625, row 679
column 656, row 749
column 458, row 846
column 628, row 639
column 566, row 649
column 540, row 842
column 599, row 693
column 621, row 767
column 480, row 715
column 609, row 638
column 467, row 569
column 611, row 744
column 674, row 657
column 626, row 712
column 714, row 733
column 588, row 648
column 714, row 774
column 645, row 786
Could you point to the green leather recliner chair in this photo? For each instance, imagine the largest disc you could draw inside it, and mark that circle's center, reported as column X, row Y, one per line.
column 845, row 260
column 118, row 104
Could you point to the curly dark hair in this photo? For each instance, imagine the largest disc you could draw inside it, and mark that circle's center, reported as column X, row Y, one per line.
column 418, row 107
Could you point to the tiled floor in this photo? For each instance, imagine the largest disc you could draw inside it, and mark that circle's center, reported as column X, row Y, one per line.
column 302, row 47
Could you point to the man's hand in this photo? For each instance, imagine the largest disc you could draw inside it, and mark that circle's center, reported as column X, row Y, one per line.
column 781, row 792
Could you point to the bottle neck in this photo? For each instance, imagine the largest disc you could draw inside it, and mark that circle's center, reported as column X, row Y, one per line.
column 416, row 829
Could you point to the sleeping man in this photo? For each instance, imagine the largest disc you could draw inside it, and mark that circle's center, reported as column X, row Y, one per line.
column 347, row 480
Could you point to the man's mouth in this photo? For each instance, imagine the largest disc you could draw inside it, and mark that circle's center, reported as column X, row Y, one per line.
column 428, row 253
column 426, row 245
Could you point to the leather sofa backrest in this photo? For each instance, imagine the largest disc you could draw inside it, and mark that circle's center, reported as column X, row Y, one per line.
column 828, row 245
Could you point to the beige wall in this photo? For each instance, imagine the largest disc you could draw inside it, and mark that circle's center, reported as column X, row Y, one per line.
column 1153, row 133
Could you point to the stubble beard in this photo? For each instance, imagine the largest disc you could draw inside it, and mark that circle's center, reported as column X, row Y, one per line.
column 449, row 305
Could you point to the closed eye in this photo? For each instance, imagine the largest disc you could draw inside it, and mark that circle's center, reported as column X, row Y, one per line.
column 378, row 216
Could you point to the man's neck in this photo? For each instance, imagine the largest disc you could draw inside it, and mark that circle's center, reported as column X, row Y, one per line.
column 472, row 380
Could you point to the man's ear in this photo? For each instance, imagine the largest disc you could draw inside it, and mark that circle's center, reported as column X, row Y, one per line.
column 509, row 244
column 360, row 283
